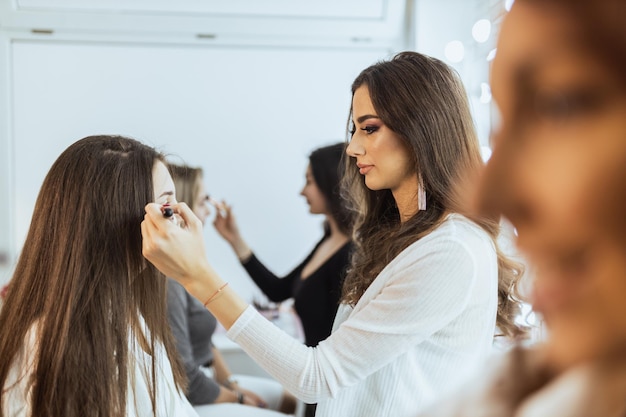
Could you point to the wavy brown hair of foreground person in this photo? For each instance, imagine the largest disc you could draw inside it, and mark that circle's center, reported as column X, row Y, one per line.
column 81, row 283
column 423, row 101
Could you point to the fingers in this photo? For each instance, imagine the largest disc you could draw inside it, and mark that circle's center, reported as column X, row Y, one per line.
column 251, row 398
column 222, row 209
column 149, row 232
column 191, row 220
column 226, row 208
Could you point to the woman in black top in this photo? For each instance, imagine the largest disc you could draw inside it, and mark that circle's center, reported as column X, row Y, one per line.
column 315, row 285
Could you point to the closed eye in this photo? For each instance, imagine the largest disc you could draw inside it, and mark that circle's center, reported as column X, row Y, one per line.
column 370, row 129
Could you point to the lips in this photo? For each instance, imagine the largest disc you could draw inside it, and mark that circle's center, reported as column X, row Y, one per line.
column 364, row 168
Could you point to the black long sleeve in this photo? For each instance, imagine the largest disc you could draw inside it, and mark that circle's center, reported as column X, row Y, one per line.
column 316, row 298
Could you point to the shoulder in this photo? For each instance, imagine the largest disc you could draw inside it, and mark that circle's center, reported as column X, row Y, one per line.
column 457, row 231
column 456, row 238
column 457, row 226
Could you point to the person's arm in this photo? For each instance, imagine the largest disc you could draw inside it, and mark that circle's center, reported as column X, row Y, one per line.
column 421, row 294
column 422, row 297
column 201, row 389
column 276, row 288
column 179, row 252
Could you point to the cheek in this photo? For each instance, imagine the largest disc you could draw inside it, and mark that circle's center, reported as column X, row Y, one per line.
column 598, row 192
column 592, row 322
column 570, row 186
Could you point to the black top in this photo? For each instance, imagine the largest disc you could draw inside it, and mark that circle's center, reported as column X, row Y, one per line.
column 316, row 298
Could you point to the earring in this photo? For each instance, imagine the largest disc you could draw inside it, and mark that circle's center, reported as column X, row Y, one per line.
column 421, row 196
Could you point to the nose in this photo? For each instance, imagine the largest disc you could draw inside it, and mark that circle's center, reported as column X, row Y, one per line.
column 355, row 148
column 502, row 188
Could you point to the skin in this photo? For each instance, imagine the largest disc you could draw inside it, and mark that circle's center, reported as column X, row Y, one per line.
column 201, row 205
column 314, row 197
column 381, row 155
column 163, row 184
column 558, row 173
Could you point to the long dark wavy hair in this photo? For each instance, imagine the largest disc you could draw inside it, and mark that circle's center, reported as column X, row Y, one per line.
column 423, row 102
column 327, row 169
column 83, row 287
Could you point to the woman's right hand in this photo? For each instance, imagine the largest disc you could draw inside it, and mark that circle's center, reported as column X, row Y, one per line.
column 177, row 251
column 226, row 226
column 225, row 223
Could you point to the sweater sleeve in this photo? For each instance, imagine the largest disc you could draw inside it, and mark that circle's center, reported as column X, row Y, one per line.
column 201, row 388
column 423, row 289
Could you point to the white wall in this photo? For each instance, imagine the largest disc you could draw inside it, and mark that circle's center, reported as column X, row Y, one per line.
column 247, row 116
column 247, row 103
column 439, row 22
column 247, row 109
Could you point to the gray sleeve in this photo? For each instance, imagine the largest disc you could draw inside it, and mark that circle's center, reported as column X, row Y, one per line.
column 201, row 389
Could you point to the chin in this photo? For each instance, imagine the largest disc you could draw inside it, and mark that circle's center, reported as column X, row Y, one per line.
column 568, row 349
column 372, row 185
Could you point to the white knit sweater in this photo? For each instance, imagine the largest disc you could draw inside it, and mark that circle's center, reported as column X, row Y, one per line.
column 421, row 327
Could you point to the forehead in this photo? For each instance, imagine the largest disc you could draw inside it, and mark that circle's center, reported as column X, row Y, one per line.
column 532, row 36
column 161, row 178
column 361, row 101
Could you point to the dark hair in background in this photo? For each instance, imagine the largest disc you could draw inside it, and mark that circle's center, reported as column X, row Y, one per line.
column 81, row 282
column 423, row 101
column 327, row 168
column 187, row 182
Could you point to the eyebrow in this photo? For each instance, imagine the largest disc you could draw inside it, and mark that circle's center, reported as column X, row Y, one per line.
column 366, row 117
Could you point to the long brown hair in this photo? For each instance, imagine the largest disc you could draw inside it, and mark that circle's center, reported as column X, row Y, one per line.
column 187, row 180
column 82, row 284
column 423, row 101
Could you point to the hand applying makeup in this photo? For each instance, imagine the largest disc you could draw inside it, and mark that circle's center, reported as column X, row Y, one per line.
column 179, row 252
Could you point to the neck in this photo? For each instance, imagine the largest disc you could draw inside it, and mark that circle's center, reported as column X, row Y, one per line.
column 335, row 231
column 406, row 196
column 407, row 205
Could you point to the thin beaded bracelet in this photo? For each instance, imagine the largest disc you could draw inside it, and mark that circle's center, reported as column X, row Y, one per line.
column 215, row 295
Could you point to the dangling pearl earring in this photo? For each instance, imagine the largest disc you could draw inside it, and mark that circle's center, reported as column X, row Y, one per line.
column 421, row 196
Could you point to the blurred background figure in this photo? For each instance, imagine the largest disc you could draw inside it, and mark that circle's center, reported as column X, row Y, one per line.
column 558, row 173
column 315, row 284
column 210, row 380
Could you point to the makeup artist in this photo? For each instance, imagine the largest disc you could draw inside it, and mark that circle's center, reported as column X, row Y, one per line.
column 427, row 284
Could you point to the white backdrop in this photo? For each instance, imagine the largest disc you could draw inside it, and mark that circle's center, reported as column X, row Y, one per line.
column 248, row 116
